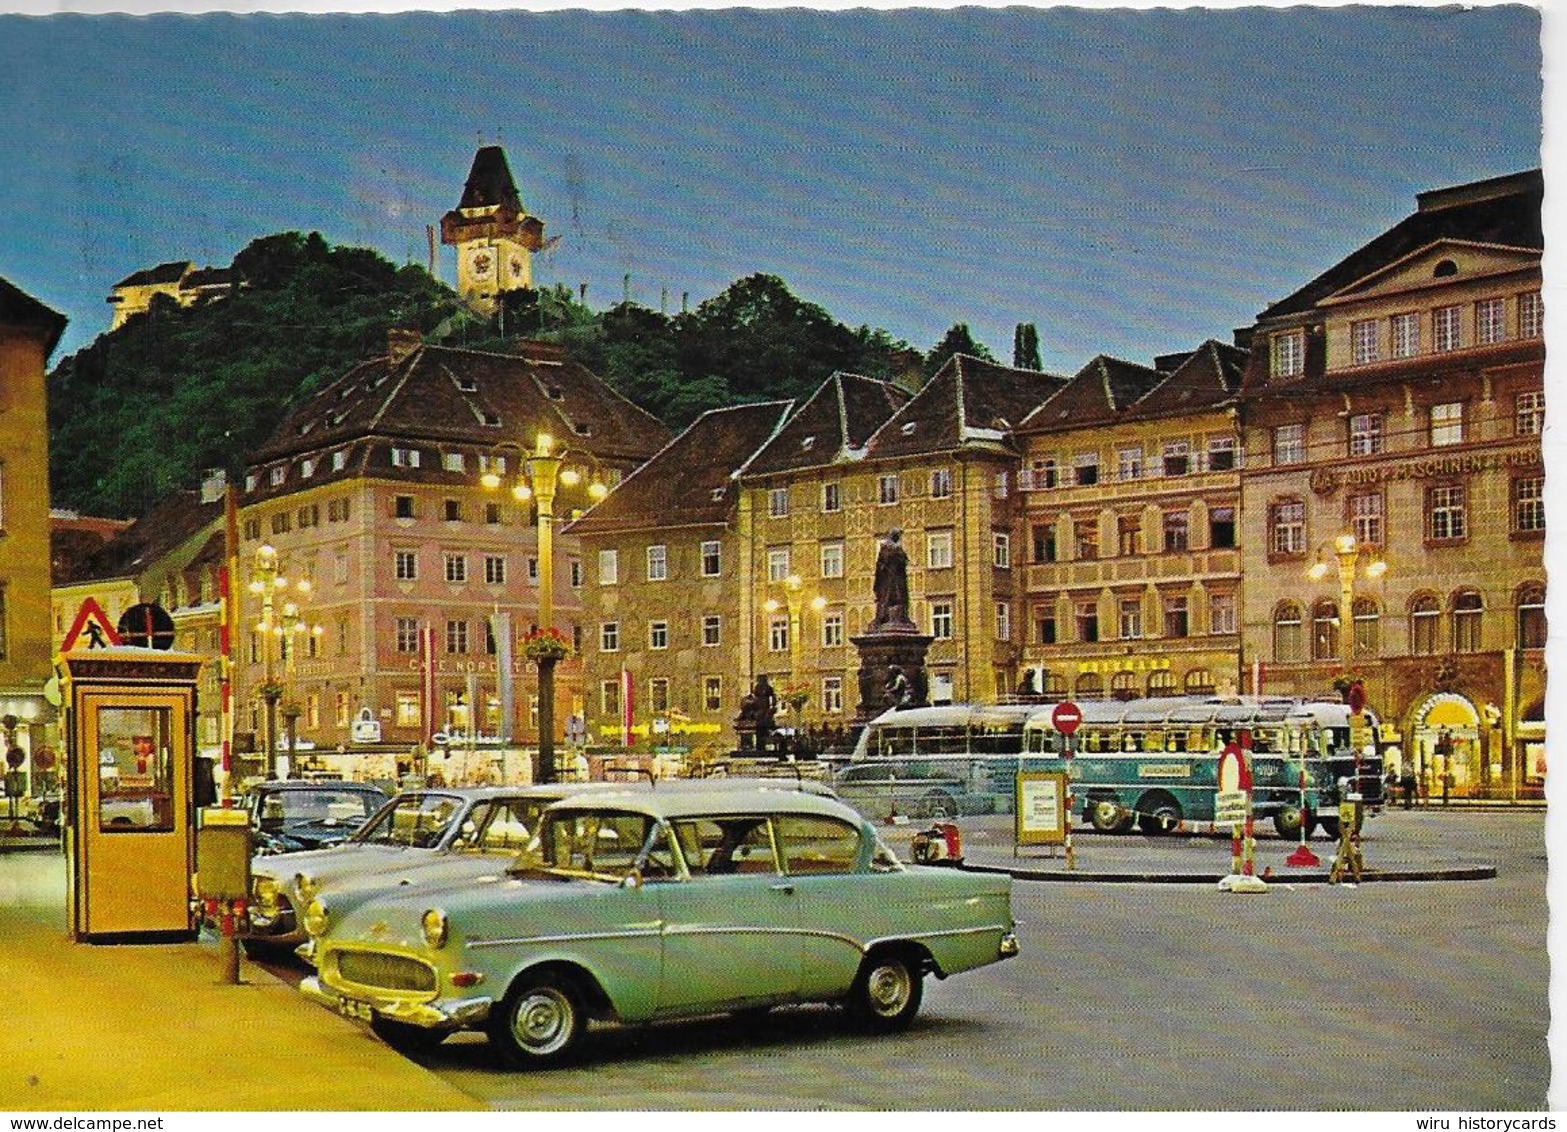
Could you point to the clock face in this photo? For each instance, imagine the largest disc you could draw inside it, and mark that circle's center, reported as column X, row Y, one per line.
column 481, row 263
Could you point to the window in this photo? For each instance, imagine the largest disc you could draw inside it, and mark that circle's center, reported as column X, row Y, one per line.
column 777, row 563
column 403, row 507
column 1531, row 315
column 1003, row 621
column 1045, row 626
column 1365, row 434
column 832, row 630
column 1446, row 513
column 1177, row 459
column 533, row 570
column 778, row 502
column 1123, row 686
column 340, row 459
column 1425, row 625
column 778, row 634
column 1002, row 556
column 1447, row 424
column 1490, row 321
column 832, row 559
column 1365, row 518
column 1289, row 353
column 1129, row 464
column 337, row 510
column 1289, row 444
column 1221, row 613
column 1087, row 621
column 453, row 462
column 941, row 620
column 1366, row 340
column 1288, row 647
column 407, row 634
column 1128, row 535
column 1176, row 621
column 1467, row 611
column 1406, row 334
column 1131, row 617
column 281, row 522
column 1086, row 469
column 712, row 693
column 938, row 550
column 1046, row 474
column 1177, row 531
column 832, row 695
column 712, row 561
column 658, row 634
column 1085, row 536
column 1221, row 527
column 576, row 573
column 275, row 476
column 1288, row 526
column 609, row 636
column 940, row 483
column 1368, row 637
column 1324, row 630
column 452, row 509
column 1090, row 686
column 1043, row 537
column 609, row 698
column 408, row 713
column 405, row 457
column 494, row 570
column 1531, row 617
column 609, row 567
column 456, row 568
column 492, row 514
column 492, row 646
column 832, row 498
column 405, row 565
column 457, row 636
column 817, row 844
column 712, row 629
column 1529, row 413
column 657, row 562
column 1529, row 503
column 887, row 490
column 999, row 488
column 1221, row 453
column 1446, row 329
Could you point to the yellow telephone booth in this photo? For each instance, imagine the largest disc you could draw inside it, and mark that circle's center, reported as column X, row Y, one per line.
column 131, row 818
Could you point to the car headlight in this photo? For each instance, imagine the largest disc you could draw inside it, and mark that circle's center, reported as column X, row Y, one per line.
column 316, row 918
column 433, row 924
column 309, row 888
column 267, row 896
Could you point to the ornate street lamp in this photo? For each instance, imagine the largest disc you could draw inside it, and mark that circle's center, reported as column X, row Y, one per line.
column 794, row 600
column 1348, row 551
column 282, row 623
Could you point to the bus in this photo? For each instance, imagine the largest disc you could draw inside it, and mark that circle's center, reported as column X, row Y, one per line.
column 1149, row 763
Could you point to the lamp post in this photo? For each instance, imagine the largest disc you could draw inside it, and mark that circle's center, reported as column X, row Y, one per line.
column 794, row 600
column 282, row 624
column 1348, row 551
column 544, row 474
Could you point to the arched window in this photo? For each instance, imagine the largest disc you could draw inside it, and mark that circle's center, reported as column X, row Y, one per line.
column 1090, row 686
column 1467, row 610
column 1055, row 684
column 1425, row 624
column 1368, row 622
column 1531, row 617
column 1288, row 641
column 1324, row 630
column 1199, row 682
column 1161, row 683
column 1123, row 686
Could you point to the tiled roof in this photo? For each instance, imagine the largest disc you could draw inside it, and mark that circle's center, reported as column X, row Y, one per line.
column 1208, row 378
column 835, row 421
column 1099, row 392
column 1503, row 211
column 438, row 395
column 171, row 272
column 18, row 308
column 693, row 481
column 150, row 538
column 967, row 402
column 490, row 182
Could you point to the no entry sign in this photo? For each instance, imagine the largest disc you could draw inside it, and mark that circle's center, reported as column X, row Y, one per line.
column 1066, row 717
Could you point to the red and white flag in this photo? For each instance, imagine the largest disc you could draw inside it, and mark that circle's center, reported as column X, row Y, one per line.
column 627, row 712
column 427, row 704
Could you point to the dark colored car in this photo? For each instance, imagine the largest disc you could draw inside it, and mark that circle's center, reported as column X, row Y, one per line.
column 293, row 815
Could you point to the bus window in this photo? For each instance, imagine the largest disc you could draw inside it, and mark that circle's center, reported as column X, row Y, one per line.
column 1175, row 741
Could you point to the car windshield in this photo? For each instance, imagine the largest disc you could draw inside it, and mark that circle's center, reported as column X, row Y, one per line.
column 418, row 821
column 501, row 825
column 597, row 845
column 324, row 806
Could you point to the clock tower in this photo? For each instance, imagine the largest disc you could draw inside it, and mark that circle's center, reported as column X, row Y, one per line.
column 494, row 236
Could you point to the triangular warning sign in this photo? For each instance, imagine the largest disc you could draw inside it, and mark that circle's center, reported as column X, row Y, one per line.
column 92, row 620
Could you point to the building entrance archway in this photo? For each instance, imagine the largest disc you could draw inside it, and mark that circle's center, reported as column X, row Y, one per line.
column 1445, row 744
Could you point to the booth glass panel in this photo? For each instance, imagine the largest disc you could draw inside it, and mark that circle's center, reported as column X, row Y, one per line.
column 135, row 771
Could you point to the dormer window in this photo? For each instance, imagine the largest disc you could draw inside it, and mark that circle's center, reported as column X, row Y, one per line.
column 465, row 383
column 340, row 459
column 718, row 495
column 807, row 443
column 307, row 468
column 405, row 457
column 275, row 476
column 487, row 418
column 582, row 429
column 909, row 427
column 554, row 393
column 250, row 482
column 1445, row 268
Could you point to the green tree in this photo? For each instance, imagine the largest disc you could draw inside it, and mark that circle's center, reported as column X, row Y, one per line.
column 1025, row 347
column 957, row 340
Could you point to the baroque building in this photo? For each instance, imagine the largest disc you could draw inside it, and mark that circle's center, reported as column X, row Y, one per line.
column 1393, row 487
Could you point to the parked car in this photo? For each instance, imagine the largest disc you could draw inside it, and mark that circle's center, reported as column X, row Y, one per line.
column 878, row 788
column 297, row 814
column 641, row 905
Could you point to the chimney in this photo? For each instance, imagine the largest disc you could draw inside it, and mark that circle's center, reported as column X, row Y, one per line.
column 214, row 482
column 402, row 341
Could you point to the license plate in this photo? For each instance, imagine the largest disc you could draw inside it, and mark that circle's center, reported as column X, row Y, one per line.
column 349, row 1008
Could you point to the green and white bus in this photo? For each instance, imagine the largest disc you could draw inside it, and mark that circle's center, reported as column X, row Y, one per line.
column 1149, row 763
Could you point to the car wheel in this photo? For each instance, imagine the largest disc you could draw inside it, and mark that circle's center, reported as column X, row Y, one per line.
column 539, row 1023
column 887, row 991
column 1106, row 816
column 405, row 1037
column 1160, row 813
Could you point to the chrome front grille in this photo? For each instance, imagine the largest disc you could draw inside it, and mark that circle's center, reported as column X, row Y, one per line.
column 387, row 972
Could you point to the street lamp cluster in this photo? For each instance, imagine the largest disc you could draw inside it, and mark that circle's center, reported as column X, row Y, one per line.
column 794, row 601
column 281, row 625
column 1348, row 551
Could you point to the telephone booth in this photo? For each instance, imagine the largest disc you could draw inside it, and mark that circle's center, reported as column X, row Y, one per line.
column 130, row 822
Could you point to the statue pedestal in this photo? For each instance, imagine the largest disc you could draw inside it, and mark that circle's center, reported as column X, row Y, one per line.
column 880, row 650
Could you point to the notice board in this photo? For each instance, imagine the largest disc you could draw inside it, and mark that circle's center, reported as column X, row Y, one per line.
column 1041, row 807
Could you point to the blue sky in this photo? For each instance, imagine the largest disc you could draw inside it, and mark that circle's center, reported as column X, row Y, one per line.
column 1130, row 181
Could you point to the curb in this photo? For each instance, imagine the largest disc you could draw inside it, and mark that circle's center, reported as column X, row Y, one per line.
column 1369, row 876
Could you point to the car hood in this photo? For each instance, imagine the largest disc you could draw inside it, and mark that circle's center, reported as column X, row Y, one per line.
column 321, row 865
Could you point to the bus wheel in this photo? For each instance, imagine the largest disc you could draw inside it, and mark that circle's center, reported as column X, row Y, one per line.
column 1106, row 816
column 938, row 804
column 1160, row 813
column 1289, row 820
